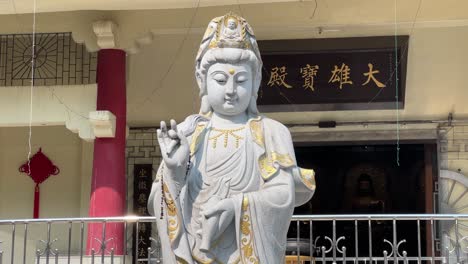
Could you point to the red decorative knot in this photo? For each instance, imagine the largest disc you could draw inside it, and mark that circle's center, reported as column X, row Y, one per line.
column 39, row 168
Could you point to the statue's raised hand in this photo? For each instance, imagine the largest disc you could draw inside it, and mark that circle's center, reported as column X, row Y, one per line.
column 174, row 146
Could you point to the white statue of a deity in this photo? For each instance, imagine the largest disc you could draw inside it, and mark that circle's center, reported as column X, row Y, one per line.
column 229, row 182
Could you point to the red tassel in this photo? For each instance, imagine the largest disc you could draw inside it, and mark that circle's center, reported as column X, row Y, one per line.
column 36, row 201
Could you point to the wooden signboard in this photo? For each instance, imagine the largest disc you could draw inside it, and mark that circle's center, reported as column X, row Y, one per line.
column 141, row 191
column 333, row 74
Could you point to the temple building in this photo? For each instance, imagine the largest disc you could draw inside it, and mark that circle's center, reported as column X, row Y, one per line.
column 374, row 94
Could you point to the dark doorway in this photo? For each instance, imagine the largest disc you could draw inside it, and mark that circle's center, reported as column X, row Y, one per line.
column 366, row 179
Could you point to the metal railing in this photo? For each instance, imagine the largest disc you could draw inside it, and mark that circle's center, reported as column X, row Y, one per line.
column 415, row 238
column 381, row 238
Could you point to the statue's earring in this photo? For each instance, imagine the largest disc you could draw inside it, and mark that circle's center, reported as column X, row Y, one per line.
column 199, row 81
column 205, row 107
column 253, row 105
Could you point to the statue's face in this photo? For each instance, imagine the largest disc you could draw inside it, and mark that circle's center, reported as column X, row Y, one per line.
column 231, row 24
column 229, row 88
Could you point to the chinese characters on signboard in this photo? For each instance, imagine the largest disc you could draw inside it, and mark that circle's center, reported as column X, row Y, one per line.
column 141, row 191
column 340, row 76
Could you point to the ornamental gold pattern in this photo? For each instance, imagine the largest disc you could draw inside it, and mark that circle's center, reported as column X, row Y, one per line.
column 266, row 162
column 308, row 178
column 257, row 131
column 159, row 172
column 169, row 201
column 266, row 167
column 247, row 251
column 172, row 217
column 282, row 159
column 226, row 133
column 196, row 138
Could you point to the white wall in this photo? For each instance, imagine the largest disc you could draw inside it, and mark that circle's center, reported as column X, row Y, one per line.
column 61, row 194
column 51, row 106
column 64, row 195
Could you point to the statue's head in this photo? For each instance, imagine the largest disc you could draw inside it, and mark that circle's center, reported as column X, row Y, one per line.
column 232, row 23
column 228, row 67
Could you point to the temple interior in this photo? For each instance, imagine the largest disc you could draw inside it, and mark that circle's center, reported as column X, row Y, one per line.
column 365, row 179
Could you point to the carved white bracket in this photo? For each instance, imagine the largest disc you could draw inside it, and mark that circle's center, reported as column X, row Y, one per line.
column 103, row 123
column 105, row 31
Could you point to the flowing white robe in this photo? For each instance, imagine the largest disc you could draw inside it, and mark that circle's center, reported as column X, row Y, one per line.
column 262, row 179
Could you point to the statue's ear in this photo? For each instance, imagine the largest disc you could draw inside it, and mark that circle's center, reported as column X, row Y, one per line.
column 199, row 80
column 257, row 81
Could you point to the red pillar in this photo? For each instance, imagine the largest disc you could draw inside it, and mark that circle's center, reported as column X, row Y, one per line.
column 108, row 182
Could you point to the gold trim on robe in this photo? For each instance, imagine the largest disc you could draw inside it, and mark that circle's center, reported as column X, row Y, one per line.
column 173, row 222
column 256, row 129
column 308, row 178
column 247, row 248
column 196, row 138
column 282, row 159
column 266, row 162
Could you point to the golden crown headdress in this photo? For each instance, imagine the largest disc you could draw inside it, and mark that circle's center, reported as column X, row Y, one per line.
column 228, row 31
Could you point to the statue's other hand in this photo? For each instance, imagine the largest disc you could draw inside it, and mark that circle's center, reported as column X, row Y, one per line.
column 174, row 145
column 224, row 210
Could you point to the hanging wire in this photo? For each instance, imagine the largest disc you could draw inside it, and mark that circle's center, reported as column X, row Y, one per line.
column 33, row 60
column 61, row 101
column 396, row 91
column 169, row 69
column 397, row 62
column 178, row 52
column 67, row 107
column 267, row 73
column 32, row 71
column 315, row 9
column 147, row 98
column 151, row 94
column 403, row 51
